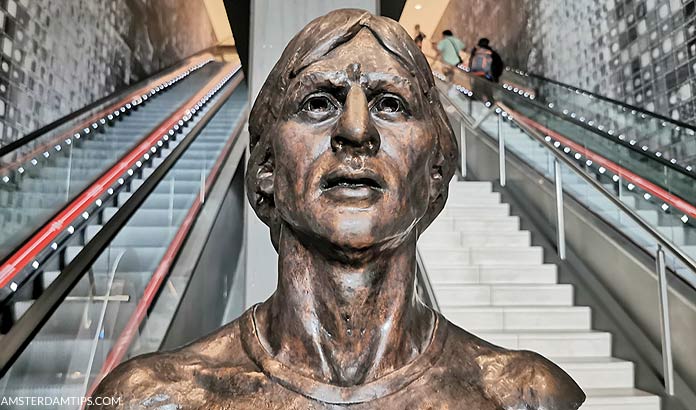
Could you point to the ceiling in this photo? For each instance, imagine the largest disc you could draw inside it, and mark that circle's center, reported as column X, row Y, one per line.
column 427, row 13
column 218, row 19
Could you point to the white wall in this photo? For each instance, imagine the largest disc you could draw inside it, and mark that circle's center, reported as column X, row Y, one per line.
column 273, row 24
column 427, row 13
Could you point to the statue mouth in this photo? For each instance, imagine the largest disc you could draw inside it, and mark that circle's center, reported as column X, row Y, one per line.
column 344, row 185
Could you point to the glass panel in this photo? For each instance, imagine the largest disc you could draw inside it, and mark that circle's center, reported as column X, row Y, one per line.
column 672, row 140
column 665, row 176
column 34, row 185
column 68, row 353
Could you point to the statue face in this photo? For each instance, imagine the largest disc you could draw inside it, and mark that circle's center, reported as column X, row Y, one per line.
column 352, row 148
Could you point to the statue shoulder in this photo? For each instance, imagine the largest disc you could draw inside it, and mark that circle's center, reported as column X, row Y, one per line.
column 157, row 378
column 181, row 378
column 524, row 379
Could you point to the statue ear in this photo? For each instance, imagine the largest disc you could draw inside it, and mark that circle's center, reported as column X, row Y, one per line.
column 265, row 177
column 260, row 188
column 437, row 177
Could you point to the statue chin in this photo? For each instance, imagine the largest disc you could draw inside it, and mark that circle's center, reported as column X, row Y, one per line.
column 358, row 120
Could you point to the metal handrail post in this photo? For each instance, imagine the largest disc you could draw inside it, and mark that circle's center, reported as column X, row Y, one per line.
column 560, row 217
column 665, row 328
column 462, row 147
column 501, row 151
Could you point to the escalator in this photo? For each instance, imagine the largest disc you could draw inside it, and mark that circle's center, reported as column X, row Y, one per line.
column 34, row 186
column 124, row 203
column 613, row 215
column 672, row 138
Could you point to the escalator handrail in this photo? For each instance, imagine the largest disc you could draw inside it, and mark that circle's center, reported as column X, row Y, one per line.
column 128, row 90
column 59, row 223
column 635, row 148
column 629, row 176
column 126, row 97
column 663, row 161
column 610, row 100
column 24, row 330
column 560, row 156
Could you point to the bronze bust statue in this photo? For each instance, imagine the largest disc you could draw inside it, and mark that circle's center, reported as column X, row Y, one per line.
column 351, row 157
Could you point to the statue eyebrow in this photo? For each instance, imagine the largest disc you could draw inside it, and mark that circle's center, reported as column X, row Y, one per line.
column 372, row 81
column 380, row 80
column 329, row 78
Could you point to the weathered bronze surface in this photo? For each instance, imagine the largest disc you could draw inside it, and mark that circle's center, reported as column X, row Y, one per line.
column 351, row 159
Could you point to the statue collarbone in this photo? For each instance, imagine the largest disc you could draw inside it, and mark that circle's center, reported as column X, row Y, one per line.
column 348, row 165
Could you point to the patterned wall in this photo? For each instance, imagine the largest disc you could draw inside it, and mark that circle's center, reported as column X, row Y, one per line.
column 503, row 22
column 59, row 55
column 639, row 51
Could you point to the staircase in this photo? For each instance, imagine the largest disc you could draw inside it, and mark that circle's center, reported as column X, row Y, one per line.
column 489, row 280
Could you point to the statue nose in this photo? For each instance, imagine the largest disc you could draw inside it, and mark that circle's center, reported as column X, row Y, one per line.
column 355, row 130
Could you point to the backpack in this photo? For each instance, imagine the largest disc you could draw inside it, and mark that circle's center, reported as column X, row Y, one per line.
column 482, row 62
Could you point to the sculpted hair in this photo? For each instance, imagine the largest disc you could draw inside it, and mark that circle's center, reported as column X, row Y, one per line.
column 310, row 45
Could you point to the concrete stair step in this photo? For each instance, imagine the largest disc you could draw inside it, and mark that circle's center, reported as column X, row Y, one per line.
column 499, row 210
column 553, row 344
column 469, row 239
column 453, row 296
column 465, row 199
column 513, row 255
column 508, row 224
column 598, row 372
column 620, row 399
column 494, row 274
column 520, row 318
column 470, row 187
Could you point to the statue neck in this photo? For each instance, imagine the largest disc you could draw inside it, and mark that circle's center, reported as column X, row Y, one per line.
column 344, row 323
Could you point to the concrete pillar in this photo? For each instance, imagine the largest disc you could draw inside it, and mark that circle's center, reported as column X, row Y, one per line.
column 273, row 24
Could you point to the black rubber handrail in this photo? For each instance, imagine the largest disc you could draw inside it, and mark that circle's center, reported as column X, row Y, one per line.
column 612, row 101
column 24, row 330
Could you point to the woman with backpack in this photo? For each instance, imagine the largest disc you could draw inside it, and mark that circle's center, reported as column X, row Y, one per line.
column 486, row 62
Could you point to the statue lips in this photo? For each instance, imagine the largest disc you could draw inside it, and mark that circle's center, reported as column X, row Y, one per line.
column 353, row 187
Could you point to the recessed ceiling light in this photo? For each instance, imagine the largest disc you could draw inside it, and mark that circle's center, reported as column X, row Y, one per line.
column 418, row 6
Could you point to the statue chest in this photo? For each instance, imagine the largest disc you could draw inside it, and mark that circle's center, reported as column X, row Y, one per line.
column 427, row 393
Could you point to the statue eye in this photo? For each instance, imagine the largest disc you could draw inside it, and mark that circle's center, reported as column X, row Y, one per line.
column 318, row 104
column 389, row 104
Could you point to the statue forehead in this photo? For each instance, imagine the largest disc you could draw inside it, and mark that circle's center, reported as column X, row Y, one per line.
column 363, row 54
